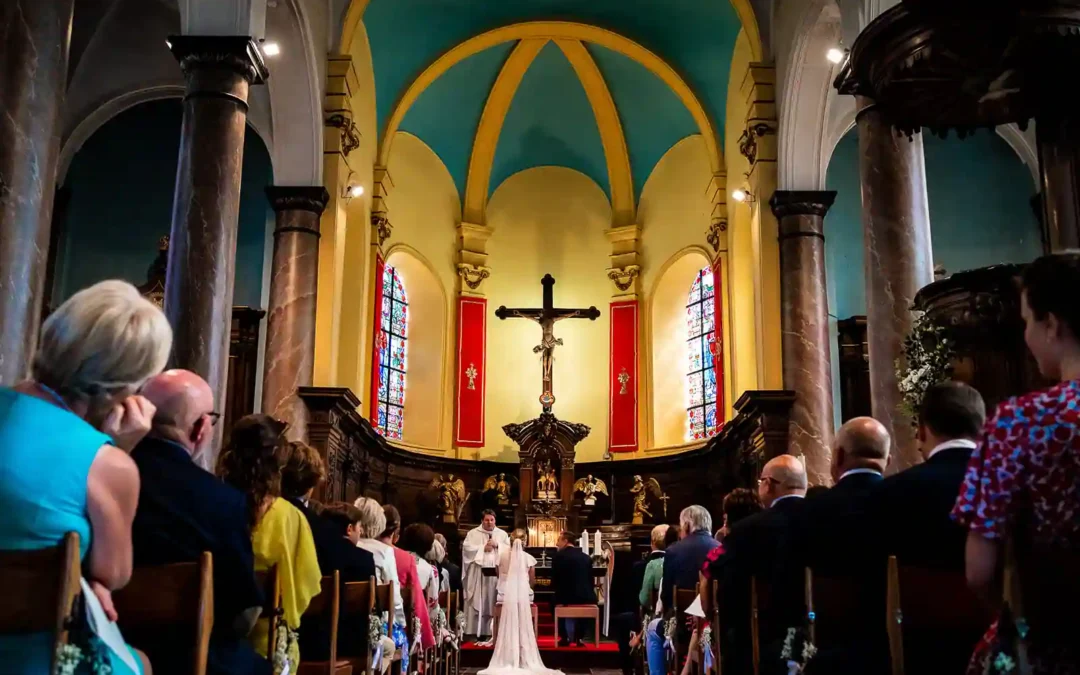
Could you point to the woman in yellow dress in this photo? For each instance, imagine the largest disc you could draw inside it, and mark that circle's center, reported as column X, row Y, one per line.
column 280, row 533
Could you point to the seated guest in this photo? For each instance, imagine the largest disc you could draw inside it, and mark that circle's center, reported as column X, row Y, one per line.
column 418, row 540
column 65, row 436
column 912, row 507
column 373, row 523
column 571, row 575
column 301, row 472
column 1022, row 484
column 653, row 569
column 436, row 556
column 280, row 535
column 738, row 505
column 453, row 570
column 765, row 546
column 838, row 532
column 184, row 510
column 408, row 576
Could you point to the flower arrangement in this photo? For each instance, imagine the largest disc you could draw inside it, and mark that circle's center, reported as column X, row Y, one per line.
column 84, row 653
column 286, row 640
column 796, row 663
column 927, row 360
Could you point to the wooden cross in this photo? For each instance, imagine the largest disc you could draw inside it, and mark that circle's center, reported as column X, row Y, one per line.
column 546, row 316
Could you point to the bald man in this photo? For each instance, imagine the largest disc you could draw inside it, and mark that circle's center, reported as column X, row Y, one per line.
column 766, row 546
column 183, row 511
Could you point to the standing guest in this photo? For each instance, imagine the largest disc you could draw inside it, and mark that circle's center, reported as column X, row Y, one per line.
column 571, row 575
column 765, row 546
column 453, row 570
column 183, row 511
column 913, row 506
column 373, row 523
column 280, row 535
column 1021, row 484
column 64, row 440
column 479, row 550
column 301, row 472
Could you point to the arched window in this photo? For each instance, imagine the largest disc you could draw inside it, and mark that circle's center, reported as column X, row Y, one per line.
column 701, row 372
column 394, row 324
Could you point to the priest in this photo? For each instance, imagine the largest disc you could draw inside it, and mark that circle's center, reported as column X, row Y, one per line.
column 480, row 550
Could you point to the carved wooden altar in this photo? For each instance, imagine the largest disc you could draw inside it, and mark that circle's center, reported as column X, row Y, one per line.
column 545, row 442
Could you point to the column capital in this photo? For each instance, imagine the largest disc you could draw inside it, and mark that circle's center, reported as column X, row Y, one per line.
column 238, row 53
column 311, row 198
column 472, row 256
column 802, row 202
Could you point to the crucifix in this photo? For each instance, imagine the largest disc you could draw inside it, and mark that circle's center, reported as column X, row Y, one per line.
column 546, row 316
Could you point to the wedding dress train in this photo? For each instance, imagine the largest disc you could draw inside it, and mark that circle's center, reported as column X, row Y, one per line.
column 516, row 651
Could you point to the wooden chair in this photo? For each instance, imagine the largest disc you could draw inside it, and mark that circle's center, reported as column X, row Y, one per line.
column 498, row 614
column 272, row 608
column 932, row 618
column 415, row 652
column 683, row 598
column 357, row 604
column 40, row 590
column 326, row 608
column 709, row 592
column 452, row 659
column 578, row 612
column 168, row 611
column 384, row 602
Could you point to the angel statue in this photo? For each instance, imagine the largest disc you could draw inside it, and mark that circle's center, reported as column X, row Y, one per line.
column 452, row 496
column 589, row 486
column 641, row 490
column 501, row 487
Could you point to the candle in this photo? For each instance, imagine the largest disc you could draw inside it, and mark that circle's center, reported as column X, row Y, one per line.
column 585, row 542
column 596, row 543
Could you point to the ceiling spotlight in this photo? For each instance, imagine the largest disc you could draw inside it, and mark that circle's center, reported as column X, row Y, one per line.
column 835, row 55
column 271, row 48
column 355, row 191
column 740, row 195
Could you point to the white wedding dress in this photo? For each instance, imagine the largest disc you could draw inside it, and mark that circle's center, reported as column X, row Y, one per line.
column 516, row 651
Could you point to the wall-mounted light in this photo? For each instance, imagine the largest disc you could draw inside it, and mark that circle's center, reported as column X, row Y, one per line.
column 354, row 191
column 271, row 48
column 836, row 55
column 741, row 195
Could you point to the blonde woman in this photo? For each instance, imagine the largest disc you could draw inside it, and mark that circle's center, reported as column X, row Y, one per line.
column 65, row 435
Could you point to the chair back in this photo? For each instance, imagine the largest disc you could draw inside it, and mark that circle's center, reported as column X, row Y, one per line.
column 40, row 589
column 838, row 608
column 168, row 610
column 325, row 608
column 384, row 600
column 272, row 609
column 1044, row 586
column 933, row 619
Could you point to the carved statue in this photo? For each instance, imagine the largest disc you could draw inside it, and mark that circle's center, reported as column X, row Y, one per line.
column 589, row 486
column 501, row 487
column 452, row 496
column 546, row 483
column 641, row 490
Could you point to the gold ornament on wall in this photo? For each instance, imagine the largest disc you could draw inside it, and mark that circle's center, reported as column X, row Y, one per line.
column 641, row 491
column 381, row 222
column 473, row 275
column 712, row 235
column 624, row 378
column 452, row 496
column 623, row 277
column 589, row 487
column 501, row 486
column 471, row 373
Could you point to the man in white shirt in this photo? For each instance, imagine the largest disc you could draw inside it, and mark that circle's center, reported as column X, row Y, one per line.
column 479, row 550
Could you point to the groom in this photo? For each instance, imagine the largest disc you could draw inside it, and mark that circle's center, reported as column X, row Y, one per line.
column 480, row 550
column 571, row 574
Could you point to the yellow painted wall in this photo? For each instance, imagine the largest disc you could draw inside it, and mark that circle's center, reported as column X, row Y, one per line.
column 547, row 220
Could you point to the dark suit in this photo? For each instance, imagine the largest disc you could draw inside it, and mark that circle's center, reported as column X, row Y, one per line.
column 571, row 574
column 913, row 509
column 453, row 572
column 682, row 563
column 764, row 546
column 839, row 534
column 183, row 511
column 334, row 552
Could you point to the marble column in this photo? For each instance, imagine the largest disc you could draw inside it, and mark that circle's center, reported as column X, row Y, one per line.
column 1059, row 174
column 804, row 322
column 35, row 36
column 290, row 327
column 898, row 260
column 199, row 285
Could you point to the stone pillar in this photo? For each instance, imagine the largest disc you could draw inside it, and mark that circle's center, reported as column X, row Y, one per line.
column 290, row 324
column 202, row 251
column 1059, row 175
column 35, row 36
column 898, row 260
column 804, row 321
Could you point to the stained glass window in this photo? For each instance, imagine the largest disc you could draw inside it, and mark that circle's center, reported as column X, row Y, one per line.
column 701, row 371
column 394, row 324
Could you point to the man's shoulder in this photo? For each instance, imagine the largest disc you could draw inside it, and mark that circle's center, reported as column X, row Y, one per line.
column 215, row 497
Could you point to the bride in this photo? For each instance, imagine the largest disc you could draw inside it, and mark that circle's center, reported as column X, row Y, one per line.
column 516, row 651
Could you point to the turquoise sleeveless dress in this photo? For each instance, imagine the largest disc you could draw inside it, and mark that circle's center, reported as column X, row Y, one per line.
column 45, row 457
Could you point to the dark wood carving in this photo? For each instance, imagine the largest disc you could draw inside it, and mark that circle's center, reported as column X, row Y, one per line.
column 854, row 368
column 980, row 311
column 243, row 363
column 546, row 440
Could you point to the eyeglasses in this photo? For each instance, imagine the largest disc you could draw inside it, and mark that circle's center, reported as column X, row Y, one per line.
column 767, row 479
column 214, row 417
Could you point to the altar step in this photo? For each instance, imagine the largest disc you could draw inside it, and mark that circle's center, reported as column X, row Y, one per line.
column 575, row 659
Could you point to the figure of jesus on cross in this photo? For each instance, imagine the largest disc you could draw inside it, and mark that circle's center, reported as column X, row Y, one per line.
column 546, row 316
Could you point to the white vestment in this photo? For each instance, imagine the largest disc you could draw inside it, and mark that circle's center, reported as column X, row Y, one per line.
column 516, row 651
column 480, row 590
